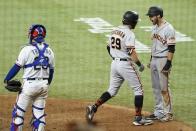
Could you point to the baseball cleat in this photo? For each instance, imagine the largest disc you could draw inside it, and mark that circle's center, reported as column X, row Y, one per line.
column 90, row 111
column 151, row 117
column 140, row 121
column 167, row 117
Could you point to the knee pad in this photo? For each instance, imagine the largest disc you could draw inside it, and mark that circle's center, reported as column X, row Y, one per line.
column 38, row 120
column 17, row 118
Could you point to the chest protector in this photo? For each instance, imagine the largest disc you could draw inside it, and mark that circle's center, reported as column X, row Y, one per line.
column 41, row 60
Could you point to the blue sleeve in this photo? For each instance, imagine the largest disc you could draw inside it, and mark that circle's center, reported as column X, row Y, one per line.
column 13, row 71
column 50, row 76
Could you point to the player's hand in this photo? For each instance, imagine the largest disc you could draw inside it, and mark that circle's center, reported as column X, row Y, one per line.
column 165, row 71
column 167, row 67
column 148, row 65
column 141, row 68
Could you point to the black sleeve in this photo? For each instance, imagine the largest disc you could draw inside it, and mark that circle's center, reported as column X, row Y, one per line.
column 171, row 48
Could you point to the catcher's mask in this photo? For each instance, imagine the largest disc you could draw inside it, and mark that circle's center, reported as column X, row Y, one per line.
column 130, row 18
column 37, row 32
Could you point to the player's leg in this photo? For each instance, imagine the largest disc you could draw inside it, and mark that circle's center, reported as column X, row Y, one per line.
column 158, row 108
column 19, row 111
column 38, row 105
column 38, row 121
column 92, row 109
column 130, row 74
column 165, row 93
column 115, row 82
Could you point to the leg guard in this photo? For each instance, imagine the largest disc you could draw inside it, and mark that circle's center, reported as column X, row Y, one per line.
column 17, row 118
column 38, row 120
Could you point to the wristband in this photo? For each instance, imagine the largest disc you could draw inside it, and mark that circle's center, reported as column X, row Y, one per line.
column 168, row 62
column 138, row 63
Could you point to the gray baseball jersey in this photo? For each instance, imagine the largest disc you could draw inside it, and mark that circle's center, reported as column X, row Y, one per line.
column 161, row 37
column 121, row 38
column 122, row 68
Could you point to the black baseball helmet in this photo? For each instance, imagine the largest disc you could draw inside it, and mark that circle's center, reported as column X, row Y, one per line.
column 130, row 18
column 154, row 11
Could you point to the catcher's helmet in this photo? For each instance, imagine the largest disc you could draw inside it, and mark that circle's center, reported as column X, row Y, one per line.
column 154, row 11
column 130, row 18
column 37, row 32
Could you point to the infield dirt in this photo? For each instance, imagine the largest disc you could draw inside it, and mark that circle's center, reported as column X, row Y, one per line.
column 65, row 115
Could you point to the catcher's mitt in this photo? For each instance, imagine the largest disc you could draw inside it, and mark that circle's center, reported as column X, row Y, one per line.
column 13, row 86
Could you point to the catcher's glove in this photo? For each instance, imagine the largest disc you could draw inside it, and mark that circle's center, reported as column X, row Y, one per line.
column 13, row 86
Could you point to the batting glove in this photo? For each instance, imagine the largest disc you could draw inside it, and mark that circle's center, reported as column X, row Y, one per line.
column 141, row 68
column 140, row 65
column 167, row 67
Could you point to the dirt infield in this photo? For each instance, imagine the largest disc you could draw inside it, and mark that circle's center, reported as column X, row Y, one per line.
column 63, row 115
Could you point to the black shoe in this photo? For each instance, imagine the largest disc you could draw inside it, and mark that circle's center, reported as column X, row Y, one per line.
column 151, row 117
column 90, row 111
column 140, row 121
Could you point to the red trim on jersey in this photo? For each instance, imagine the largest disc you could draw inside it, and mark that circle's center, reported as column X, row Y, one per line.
column 137, row 77
column 168, row 92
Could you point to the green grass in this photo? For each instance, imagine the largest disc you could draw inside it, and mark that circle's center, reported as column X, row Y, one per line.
column 82, row 62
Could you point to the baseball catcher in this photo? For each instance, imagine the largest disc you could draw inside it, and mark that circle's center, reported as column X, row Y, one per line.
column 37, row 61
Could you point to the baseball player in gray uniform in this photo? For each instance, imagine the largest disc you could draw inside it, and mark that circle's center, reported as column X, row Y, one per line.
column 121, row 47
column 37, row 60
column 163, row 48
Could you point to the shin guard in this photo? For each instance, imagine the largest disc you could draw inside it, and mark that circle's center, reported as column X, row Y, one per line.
column 17, row 118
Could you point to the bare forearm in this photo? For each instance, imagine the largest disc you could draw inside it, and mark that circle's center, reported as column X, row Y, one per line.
column 170, row 56
column 134, row 56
